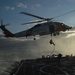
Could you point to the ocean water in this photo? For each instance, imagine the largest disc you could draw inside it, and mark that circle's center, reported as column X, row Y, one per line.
column 17, row 49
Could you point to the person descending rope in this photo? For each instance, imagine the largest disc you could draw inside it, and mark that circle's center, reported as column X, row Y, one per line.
column 51, row 42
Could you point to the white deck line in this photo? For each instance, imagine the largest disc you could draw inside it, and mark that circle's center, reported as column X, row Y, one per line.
column 63, row 71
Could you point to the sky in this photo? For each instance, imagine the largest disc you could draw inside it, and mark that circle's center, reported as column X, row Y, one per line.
column 16, row 49
column 10, row 12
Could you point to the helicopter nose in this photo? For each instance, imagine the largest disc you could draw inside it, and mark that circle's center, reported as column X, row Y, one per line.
column 65, row 27
column 70, row 27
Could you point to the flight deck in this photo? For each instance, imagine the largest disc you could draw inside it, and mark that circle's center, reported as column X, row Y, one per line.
column 43, row 66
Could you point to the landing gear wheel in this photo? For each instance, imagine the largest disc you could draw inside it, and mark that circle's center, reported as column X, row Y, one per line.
column 54, row 34
column 34, row 39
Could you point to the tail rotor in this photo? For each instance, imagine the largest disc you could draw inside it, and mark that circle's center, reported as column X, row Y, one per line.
column 3, row 25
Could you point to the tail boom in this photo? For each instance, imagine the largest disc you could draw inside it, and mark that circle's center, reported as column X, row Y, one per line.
column 6, row 32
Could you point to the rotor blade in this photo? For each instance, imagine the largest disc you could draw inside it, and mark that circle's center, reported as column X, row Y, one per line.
column 63, row 14
column 27, row 23
column 32, row 22
column 45, row 19
column 32, row 15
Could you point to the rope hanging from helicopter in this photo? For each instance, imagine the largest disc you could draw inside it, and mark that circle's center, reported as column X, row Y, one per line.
column 53, row 51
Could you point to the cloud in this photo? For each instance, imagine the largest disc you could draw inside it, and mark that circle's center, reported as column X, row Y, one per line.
column 36, row 5
column 59, row 5
column 21, row 5
column 9, row 7
column 70, row 35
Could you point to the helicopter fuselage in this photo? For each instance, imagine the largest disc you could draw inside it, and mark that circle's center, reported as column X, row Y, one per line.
column 38, row 29
column 44, row 29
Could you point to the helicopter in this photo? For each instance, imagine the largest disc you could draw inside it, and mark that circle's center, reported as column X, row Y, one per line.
column 39, row 29
column 43, row 27
column 46, row 26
